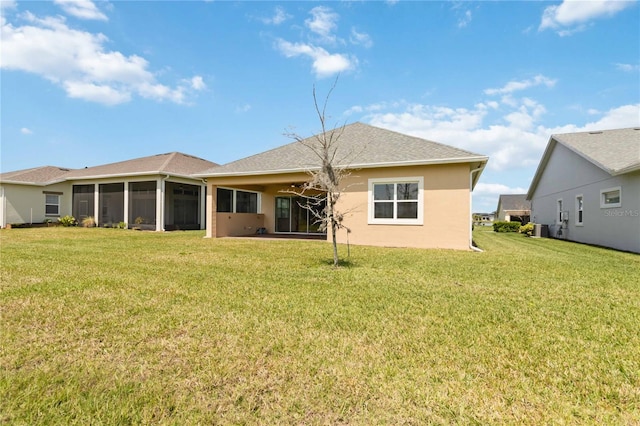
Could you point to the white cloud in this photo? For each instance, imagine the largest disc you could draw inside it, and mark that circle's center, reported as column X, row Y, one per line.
column 323, row 23
column 78, row 62
column 362, row 39
column 99, row 93
column 465, row 20
column 243, row 108
column 514, row 86
column 510, row 132
column 321, row 27
column 616, row 118
column 573, row 15
column 324, row 63
column 7, row 4
column 197, row 83
column 279, row 16
column 26, row 131
column 83, row 9
column 496, row 189
column 628, row 67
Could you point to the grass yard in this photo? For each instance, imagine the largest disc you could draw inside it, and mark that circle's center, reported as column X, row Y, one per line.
column 105, row 326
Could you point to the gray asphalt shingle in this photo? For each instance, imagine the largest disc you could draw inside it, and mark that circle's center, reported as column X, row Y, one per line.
column 360, row 145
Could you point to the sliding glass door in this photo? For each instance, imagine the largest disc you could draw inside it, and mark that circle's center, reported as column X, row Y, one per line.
column 296, row 215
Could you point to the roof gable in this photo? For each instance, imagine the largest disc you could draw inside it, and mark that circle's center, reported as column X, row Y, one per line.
column 360, row 146
column 509, row 202
column 615, row 151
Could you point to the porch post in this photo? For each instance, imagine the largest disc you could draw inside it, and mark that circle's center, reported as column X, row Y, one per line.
column 203, row 206
column 96, row 203
column 159, row 204
column 211, row 211
column 126, row 204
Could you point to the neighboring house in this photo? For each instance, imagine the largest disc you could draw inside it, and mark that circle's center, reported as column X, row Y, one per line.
column 514, row 208
column 157, row 192
column 587, row 188
column 483, row 219
column 402, row 191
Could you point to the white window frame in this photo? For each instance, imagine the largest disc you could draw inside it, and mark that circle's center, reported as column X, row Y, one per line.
column 603, row 192
column 579, row 209
column 394, row 221
column 559, row 211
column 234, row 199
column 56, row 204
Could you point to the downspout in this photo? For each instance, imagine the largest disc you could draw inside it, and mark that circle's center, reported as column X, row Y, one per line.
column 476, row 170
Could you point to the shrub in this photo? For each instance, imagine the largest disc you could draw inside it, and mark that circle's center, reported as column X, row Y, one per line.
column 122, row 225
column 527, row 229
column 506, row 226
column 68, row 221
column 88, row 222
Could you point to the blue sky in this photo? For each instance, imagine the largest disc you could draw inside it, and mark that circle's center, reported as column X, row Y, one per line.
column 87, row 83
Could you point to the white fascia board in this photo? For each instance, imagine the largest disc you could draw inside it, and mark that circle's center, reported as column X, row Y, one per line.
column 134, row 174
column 482, row 159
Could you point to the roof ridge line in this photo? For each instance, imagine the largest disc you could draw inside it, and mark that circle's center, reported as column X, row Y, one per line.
column 168, row 160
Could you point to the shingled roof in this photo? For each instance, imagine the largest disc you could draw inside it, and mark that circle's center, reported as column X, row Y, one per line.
column 173, row 163
column 360, row 146
column 44, row 175
column 615, row 151
column 513, row 202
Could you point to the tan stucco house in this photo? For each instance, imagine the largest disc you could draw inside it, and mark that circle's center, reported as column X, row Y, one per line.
column 514, row 208
column 402, row 191
column 158, row 192
column 587, row 188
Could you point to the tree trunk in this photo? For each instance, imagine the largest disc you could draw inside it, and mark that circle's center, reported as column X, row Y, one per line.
column 334, row 230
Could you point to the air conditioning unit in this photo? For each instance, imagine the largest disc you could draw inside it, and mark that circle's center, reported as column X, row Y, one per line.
column 540, row 230
column 565, row 216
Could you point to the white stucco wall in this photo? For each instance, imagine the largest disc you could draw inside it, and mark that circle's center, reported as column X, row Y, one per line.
column 26, row 203
column 567, row 176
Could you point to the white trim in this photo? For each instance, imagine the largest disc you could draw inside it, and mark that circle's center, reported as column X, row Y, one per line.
column 462, row 160
column 559, row 210
column 603, row 205
column 579, row 209
column 57, row 204
column 414, row 179
column 234, row 199
column 2, row 208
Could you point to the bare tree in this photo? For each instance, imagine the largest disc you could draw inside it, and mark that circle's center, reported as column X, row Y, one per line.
column 324, row 186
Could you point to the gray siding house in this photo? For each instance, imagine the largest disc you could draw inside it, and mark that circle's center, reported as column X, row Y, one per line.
column 158, row 192
column 587, row 188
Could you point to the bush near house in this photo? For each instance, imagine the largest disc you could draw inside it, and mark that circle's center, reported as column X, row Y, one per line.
column 527, row 229
column 506, row 226
column 68, row 221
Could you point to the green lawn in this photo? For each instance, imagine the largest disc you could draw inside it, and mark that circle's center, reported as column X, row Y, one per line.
column 106, row 326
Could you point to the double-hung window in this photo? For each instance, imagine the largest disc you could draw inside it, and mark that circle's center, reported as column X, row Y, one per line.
column 52, row 204
column 579, row 209
column 396, row 201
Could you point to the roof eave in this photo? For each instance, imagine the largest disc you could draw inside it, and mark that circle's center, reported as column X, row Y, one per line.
column 481, row 159
column 133, row 174
column 18, row 182
column 629, row 169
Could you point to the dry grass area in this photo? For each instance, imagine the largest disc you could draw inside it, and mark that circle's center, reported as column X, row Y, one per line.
column 106, row 326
